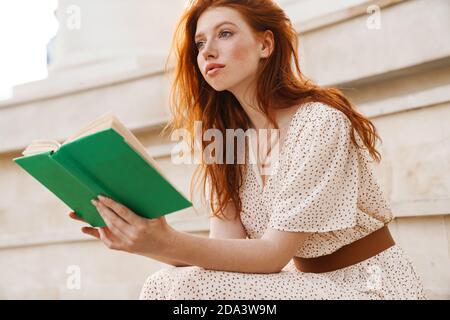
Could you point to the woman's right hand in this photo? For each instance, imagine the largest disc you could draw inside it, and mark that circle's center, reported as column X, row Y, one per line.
column 87, row 230
column 95, row 233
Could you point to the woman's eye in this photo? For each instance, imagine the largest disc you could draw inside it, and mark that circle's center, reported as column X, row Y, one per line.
column 197, row 44
column 226, row 33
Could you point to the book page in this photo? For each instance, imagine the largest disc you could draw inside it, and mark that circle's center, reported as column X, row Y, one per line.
column 40, row 146
column 109, row 120
column 103, row 122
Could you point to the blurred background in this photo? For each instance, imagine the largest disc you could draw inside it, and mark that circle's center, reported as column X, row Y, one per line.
column 64, row 63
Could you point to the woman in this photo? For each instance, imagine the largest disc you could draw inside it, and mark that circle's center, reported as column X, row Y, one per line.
column 316, row 225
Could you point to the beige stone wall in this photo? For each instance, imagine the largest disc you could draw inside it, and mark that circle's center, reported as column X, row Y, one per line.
column 398, row 75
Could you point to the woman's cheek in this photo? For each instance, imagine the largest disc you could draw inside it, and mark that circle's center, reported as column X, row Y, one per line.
column 242, row 57
column 239, row 54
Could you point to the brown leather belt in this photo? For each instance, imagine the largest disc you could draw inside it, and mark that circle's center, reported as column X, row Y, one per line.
column 348, row 255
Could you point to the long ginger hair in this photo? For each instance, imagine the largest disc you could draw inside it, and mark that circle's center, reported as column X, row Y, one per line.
column 279, row 85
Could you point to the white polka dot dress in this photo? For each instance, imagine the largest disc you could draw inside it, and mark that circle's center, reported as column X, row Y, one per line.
column 321, row 183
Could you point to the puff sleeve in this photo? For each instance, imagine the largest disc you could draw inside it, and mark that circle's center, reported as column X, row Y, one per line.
column 317, row 189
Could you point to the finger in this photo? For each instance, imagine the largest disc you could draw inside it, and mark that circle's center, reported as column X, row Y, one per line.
column 74, row 216
column 108, row 238
column 91, row 231
column 109, row 234
column 122, row 211
column 117, row 226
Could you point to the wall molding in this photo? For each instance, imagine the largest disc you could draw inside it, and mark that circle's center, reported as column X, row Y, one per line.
column 403, row 103
column 339, row 16
column 421, row 208
column 51, row 88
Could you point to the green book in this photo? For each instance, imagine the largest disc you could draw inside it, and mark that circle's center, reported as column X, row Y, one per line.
column 104, row 158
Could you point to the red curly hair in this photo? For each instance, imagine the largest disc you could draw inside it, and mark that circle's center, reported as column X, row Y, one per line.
column 279, row 85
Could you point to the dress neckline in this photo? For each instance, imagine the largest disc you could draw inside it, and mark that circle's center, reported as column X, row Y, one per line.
column 254, row 167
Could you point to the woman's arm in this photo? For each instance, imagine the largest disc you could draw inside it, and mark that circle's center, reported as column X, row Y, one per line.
column 230, row 228
column 172, row 262
column 268, row 254
column 129, row 232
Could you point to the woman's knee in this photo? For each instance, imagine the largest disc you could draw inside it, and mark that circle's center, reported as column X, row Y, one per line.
column 169, row 283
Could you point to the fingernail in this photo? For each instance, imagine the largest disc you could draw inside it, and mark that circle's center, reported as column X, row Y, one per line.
column 94, row 202
column 102, row 197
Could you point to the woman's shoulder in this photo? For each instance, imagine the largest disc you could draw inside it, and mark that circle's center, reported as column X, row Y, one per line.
column 319, row 116
column 320, row 111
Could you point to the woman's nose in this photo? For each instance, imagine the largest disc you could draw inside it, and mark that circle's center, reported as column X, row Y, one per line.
column 209, row 51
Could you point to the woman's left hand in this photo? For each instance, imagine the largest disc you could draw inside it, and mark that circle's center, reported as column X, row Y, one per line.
column 126, row 231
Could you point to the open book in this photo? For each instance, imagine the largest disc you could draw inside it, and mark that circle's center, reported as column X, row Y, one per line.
column 103, row 158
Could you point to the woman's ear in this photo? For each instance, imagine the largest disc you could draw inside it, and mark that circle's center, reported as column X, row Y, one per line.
column 267, row 44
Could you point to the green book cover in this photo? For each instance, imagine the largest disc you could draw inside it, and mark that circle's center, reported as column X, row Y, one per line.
column 103, row 163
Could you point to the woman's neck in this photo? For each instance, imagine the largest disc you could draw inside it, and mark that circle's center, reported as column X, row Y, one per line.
column 246, row 95
column 259, row 120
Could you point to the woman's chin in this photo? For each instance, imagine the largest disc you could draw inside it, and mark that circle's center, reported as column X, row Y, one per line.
column 221, row 85
column 219, row 88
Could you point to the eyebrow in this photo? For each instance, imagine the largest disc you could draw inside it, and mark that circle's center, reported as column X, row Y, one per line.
column 217, row 26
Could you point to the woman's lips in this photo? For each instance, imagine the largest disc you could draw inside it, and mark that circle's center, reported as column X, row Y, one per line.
column 214, row 71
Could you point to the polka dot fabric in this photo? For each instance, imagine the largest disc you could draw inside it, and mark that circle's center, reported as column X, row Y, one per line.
column 321, row 183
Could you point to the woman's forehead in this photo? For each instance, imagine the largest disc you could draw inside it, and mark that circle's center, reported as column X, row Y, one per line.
column 210, row 19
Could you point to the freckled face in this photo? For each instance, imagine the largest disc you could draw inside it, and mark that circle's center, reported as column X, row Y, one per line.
column 231, row 44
